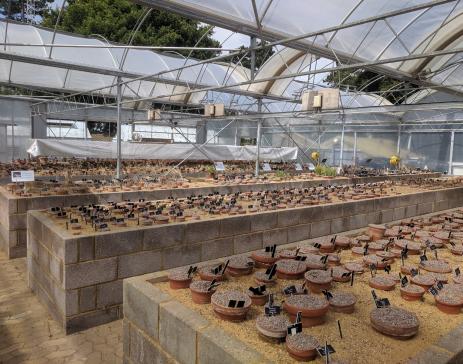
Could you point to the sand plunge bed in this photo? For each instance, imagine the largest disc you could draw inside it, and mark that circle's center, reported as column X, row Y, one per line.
column 360, row 343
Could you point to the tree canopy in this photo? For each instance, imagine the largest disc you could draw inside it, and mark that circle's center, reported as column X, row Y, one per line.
column 367, row 81
column 18, row 9
column 116, row 19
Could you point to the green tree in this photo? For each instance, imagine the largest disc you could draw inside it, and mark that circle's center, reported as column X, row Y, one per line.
column 261, row 56
column 17, row 9
column 367, row 81
column 116, row 19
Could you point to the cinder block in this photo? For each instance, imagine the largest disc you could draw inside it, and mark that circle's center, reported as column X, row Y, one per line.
column 387, row 216
column 163, row 236
column 92, row 319
column 44, row 258
column 86, row 248
column 216, row 346
column 399, row 213
column 441, row 205
column 289, row 217
column 32, row 245
column 89, row 273
column 201, row 230
column 320, row 228
column 141, row 305
column 264, row 221
column 112, row 244
column 310, row 214
column 18, row 221
column 178, row 327
column 139, row 263
column 126, row 337
column 181, row 255
column 411, row 211
column 452, row 341
column 235, row 225
column 427, row 197
column 374, row 217
column 216, row 248
column 298, row 233
column 277, row 236
column 109, row 294
column 425, row 208
column 144, row 351
column 431, row 355
column 338, row 225
column 87, row 299
column 34, row 225
column 332, row 211
column 71, row 250
column 357, row 207
column 357, row 222
column 248, row 242
column 386, row 203
column 70, row 300
column 56, row 269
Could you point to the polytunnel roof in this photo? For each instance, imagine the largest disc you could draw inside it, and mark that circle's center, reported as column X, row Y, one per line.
column 34, row 67
column 416, row 27
column 84, row 69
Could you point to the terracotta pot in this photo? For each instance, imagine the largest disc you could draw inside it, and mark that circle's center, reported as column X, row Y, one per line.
column 179, row 283
column 412, row 292
column 318, row 280
column 394, row 322
column 258, row 300
column 198, row 294
column 423, row 280
column 449, row 302
column 262, row 278
column 263, row 260
column 337, row 274
column 376, row 232
column 290, row 269
column 313, row 309
column 343, row 302
column 206, row 275
column 309, row 351
column 240, row 266
column 383, row 283
column 272, row 327
column 220, row 301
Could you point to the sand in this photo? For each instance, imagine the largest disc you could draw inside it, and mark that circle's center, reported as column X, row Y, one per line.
column 360, row 343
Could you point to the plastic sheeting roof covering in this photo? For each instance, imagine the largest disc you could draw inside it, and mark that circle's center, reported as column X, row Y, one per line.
column 425, row 30
column 142, row 62
column 146, row 62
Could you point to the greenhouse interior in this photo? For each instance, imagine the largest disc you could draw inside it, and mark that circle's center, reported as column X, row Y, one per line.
column 231, row 181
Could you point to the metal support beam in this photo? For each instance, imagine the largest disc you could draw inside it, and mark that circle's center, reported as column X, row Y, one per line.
column 355, row 149
column 253, row 58
column 341, row 153
column 399, row 135
column 119, row 129
column 452, row 144
column 259, row 137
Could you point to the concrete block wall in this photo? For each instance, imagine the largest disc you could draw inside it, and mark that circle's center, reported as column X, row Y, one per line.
column 80, row 278
column 158, row 329
column 13, row 210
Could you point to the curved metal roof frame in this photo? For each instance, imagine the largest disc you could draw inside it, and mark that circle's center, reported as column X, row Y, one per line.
column 87, row 69
column 347, row 31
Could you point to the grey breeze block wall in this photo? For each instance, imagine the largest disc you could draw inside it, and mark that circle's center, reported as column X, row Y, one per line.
column 13, row 210
column 80, row 278
column 159, row 329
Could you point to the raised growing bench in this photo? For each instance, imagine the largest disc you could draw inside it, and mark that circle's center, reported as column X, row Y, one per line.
column 79, row 278
column 13, row 209
column 162, row 325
